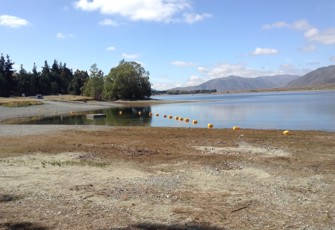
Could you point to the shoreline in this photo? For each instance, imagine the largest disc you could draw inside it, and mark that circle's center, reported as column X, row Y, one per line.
column 50, row 108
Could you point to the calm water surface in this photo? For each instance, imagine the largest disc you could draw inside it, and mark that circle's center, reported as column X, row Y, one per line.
column 310, row 110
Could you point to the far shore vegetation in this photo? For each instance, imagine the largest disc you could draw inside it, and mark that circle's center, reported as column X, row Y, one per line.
column 127, row 81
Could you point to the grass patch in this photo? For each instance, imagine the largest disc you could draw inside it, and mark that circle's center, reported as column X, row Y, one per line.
column 15, row 102
column 75, row 163
column 68, row 98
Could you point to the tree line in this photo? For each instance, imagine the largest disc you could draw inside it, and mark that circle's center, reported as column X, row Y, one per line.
column 129, row 80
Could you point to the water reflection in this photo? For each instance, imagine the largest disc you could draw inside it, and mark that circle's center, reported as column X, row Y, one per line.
column 136, row 116
column 284, row 110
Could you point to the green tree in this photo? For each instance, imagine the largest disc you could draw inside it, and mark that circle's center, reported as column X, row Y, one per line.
column 22, row 82
column 76, row 85
column 129, row 80
column 7, row 81
column 66, row 77
column 45, row 79
column 35, row 81
column 95, row 84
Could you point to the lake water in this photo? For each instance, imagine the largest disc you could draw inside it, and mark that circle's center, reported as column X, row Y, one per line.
column 307, row 110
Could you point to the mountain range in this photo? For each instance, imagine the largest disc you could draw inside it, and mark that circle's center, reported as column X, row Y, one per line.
column 319, row 77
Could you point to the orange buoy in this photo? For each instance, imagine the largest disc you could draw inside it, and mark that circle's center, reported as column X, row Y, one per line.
column 176, row 117
column 164, row 116
column 210, row 125
column 157, row 115
column 181, row 119
column 187, row 120
column 195, row 122
column 150, row 114
column 236, row 128
column 170, row 117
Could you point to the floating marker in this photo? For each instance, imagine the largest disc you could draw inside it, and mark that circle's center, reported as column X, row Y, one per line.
column 120, row 113
column 236, row 128
column 195, row 122
column 210, row 125
column 139, row 113
column 164, row 116
column 286, row 132
column 176, row 117
column 187, row 120
column 170, row 117
column 157, row 115
column 150, row 114
column 181, row 119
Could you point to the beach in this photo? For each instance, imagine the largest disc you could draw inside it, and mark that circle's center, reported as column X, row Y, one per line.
column 100, row 177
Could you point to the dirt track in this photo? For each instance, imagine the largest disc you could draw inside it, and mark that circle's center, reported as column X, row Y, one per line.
column 167, row 178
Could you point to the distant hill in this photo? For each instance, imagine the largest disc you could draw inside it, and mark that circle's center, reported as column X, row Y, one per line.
column 318, row 77
column 232, row 83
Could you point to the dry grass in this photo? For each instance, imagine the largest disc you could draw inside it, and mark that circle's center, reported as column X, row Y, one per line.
column 18, row 102
column 67, row 97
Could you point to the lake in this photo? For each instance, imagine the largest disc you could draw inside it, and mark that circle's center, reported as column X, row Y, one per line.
column 303, row 110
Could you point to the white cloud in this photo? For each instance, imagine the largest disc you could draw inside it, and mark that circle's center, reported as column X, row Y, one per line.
column 227, row 69
column 192, row 17
column 108, row 22
column 111, row 48
column 264, row 51
column 194, row 80
column 182, row 63
column 332, row 58
column 311, row 33
column 64, row 36
column 326, row 37
column 297, row 25
column 129, row 56
column 12, row 21
column 308, row 48
column 144, row 10
column 202, row 69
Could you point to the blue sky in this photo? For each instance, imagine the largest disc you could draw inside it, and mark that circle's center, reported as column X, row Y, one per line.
column 180, row 42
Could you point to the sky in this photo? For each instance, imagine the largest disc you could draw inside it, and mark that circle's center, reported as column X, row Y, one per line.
column 180, row 42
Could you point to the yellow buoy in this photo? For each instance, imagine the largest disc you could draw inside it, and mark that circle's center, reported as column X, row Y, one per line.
column 176, row 118
column 195, row 122
column 164, row 116
column 187, row 120
column 170, row 117
column 236, row 128
column 286, row 132
column 210, row 125
column 120, row 113
column 157, row 115
column 150, row 114
column 181, row 119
